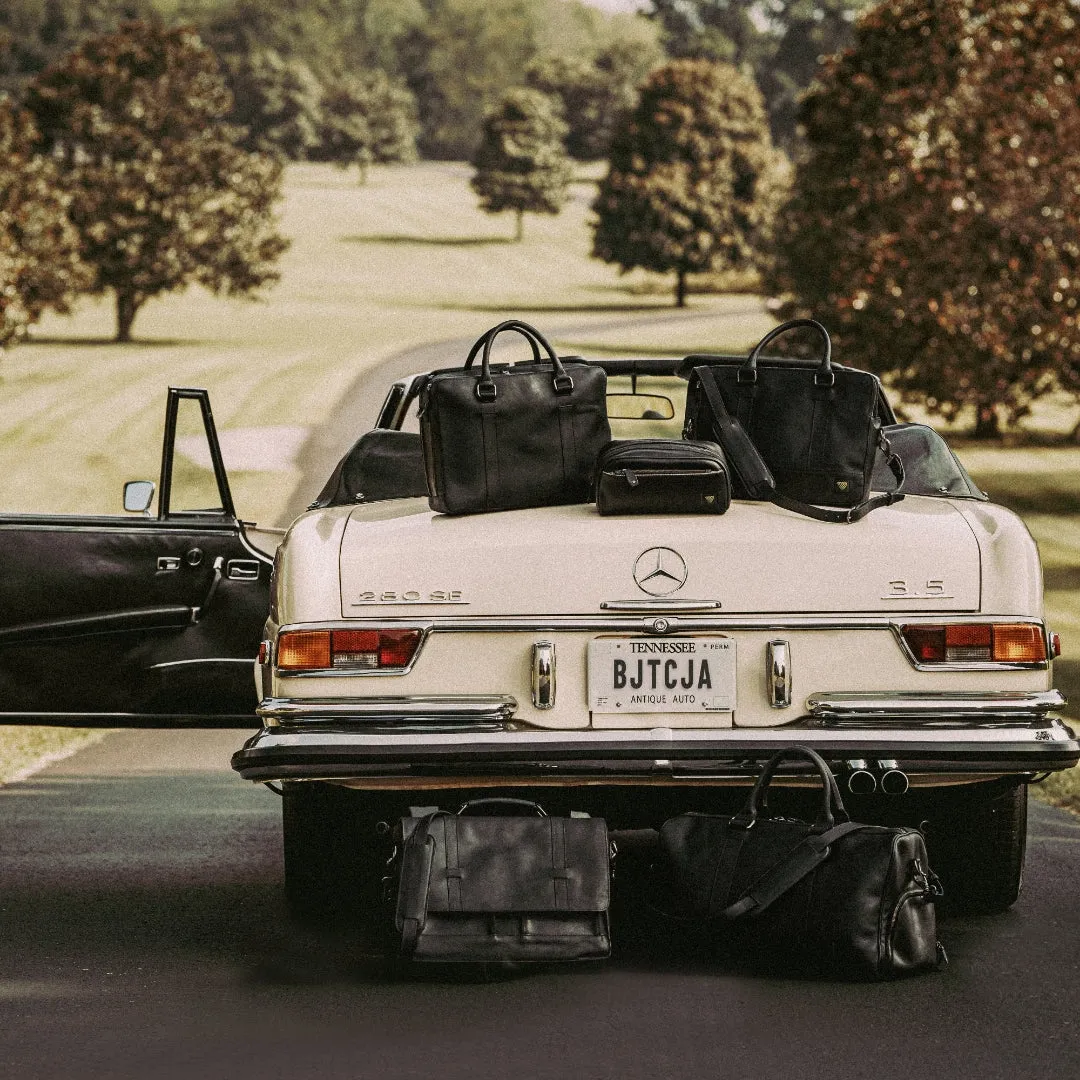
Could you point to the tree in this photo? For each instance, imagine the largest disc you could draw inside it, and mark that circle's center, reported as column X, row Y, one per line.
column 781, row 41
column 933, row 222
column 694, row 182
column 277, row 100
column 595, row 92
column 521, row 163
column 160, row 191
column 459, row 60
column 39, row 248
column 367, row 118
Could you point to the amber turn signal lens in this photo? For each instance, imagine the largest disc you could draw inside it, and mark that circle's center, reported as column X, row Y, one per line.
column 1019, row 643
column 303, row 650
column 347, row 650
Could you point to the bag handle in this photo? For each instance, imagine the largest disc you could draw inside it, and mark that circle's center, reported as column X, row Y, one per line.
column 480, row 805
column 485, row 386
column 832, row 806
column 822, row 377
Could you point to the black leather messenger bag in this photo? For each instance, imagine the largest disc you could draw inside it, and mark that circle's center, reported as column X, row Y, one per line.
column 841, row 897
column 486, row 888
column 803, row 437
column 505, row 438
column 662, row 476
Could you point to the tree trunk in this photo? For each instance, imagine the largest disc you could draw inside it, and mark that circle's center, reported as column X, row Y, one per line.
column 127, row 304
column 520, row 228
column 986, row 423
column 680, row 288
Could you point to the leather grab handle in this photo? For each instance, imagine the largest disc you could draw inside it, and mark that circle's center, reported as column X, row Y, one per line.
column 480, row 805
column 485, row 387
column 750, row 367
column 832, row 806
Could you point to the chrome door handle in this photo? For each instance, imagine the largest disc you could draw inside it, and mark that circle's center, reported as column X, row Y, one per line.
column 243, row 570
column 168, row 563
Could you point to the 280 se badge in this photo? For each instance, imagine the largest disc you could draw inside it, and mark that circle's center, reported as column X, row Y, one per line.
column 640, row 675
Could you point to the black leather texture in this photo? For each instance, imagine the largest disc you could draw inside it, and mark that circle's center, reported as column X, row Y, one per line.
column 498, row 888
column 382, row 464
column 662, row 476
column 817, row 429
column 506, row 438
column 842, row 897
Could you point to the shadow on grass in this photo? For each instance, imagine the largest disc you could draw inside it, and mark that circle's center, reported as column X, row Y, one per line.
column 437, row 241
column 97, row 342
column 555, row 309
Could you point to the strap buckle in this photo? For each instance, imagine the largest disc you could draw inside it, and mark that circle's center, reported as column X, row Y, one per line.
column 564, row 384
column 824, row 378
column 485, row 391
column 750, row 373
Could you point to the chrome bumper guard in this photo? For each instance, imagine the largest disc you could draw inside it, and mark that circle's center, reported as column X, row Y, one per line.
column 414, row 740
column 955, row 709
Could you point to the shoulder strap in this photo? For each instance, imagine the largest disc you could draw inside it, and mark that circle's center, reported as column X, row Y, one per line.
column 787, row 873
column 416, row 859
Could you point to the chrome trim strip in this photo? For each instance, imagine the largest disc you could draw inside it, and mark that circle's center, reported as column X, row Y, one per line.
column 970, row 665
column 778, row 674
column 659, row 604
column 626, row 624
column 494, row 708
column 247, row 661
column 543, row 674
column 946, row 704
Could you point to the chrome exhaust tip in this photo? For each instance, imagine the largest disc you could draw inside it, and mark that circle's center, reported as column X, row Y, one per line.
column 860, row 780
column 894, row 782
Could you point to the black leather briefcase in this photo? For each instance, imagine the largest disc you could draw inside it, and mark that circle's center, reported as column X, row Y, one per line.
column 487, row 888
column 803, row 436
column 662, row 476
column 834, row 895
column 506, row 438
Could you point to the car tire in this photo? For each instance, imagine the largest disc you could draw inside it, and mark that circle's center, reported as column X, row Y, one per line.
column 333, row 857
column 977, row 842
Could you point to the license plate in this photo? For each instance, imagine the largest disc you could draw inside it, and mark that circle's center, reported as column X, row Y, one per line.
column 662, row 675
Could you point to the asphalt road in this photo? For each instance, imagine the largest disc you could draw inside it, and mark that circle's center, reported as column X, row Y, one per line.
column 143, row 934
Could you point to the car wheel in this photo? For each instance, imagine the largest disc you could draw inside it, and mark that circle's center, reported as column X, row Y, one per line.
column 977, row 841
column 333, row 857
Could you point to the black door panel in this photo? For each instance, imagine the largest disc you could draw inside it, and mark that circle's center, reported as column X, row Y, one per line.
column 132, row 620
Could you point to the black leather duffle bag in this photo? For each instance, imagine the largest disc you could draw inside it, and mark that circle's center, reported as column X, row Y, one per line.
column 662, row 476
column 805, row 437
column 833, row 895
column 476, row 888
column 506, row 438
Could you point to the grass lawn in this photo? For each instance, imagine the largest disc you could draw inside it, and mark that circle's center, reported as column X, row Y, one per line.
column 403, row 261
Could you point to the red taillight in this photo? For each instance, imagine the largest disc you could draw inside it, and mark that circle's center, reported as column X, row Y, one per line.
column 348, row 650
column 965, row 643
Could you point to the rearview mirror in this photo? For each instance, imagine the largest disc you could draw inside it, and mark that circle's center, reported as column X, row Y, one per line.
column 640, row 407
column 138, row 495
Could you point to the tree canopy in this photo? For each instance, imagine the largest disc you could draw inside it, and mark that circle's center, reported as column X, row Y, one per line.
column 39, row 248
column 160, row 192
column 521, row 163
column 781, row 41
column 933, row 224
column 694, row 181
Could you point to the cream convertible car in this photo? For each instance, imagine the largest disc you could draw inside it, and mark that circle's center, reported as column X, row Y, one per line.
column 632, row 667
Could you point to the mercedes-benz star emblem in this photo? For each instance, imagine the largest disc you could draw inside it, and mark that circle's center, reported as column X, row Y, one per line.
column 659, row 571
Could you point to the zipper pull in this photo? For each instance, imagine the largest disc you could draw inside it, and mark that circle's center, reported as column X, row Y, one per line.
column 631, row 479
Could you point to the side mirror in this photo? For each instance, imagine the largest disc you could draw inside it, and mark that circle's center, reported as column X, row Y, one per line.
column 138, row 495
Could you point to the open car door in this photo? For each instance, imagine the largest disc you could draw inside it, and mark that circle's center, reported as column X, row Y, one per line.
column 150, row 620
